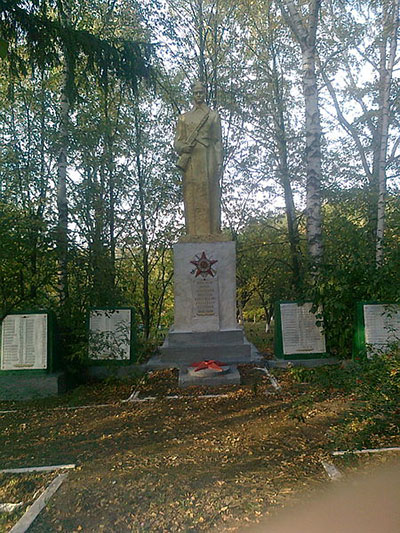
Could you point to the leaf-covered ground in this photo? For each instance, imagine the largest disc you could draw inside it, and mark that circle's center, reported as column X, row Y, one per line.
column 175, row 465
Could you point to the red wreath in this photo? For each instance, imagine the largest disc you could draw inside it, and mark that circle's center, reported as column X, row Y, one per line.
column 210, row 363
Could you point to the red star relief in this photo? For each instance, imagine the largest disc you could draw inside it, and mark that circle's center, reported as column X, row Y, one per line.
column 204, row 265
column 214, row 365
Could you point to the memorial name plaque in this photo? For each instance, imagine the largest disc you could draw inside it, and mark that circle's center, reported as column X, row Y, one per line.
column 382, row 326
column 24, row 342
column 205, row 297
column 110, row 334
column 300, row 333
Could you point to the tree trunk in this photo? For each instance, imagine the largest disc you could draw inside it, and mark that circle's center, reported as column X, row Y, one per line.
column 62, row 203
column 38, row 214
column 142, row 206
column 389, row 38
column 305, row 34
column 375, row 170
column 313, row 155
column 280, row 136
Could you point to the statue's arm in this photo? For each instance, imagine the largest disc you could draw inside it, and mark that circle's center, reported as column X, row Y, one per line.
column 180, row 136
column 219, row 150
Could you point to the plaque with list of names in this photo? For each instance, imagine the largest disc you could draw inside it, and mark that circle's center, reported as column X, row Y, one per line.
column 205, row 297
column 110, row 334
column 24, row 342
column 382, row 325
column 299, row 334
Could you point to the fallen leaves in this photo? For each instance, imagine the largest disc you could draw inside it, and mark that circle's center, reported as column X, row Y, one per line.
column 173, row 465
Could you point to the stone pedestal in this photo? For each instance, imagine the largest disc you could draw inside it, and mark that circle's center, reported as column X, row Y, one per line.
column 205, row 324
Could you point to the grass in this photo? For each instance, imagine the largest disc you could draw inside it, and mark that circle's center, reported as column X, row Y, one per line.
column 255, row 333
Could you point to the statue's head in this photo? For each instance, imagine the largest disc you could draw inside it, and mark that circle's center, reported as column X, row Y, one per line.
column 199, row 92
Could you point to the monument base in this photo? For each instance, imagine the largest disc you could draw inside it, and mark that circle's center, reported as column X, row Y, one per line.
column 187, row 378
column 205, row 326
column 30, row 387
column 229, row 346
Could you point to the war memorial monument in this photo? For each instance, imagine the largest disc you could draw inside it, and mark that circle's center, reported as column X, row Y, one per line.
column 205, row 326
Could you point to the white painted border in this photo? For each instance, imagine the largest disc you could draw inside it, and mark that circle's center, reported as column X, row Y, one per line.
column 333, row 473
column 170, row 397
column 37, row 469
column 272, row 379
column 10, row 507
column 368, row 450
column 33, row 511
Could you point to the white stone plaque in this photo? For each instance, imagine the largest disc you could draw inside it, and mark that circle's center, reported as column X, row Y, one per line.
column 300, row 333
column 24, row 342
column 110, row 334
column 205, row 297
column 382, row 325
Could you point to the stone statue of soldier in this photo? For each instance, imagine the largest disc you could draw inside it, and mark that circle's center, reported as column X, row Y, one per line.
column 198, row 142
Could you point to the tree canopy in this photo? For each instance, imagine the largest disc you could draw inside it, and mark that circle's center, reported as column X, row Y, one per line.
column 90, row 200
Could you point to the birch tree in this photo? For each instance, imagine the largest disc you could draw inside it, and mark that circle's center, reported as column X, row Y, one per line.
column 387, row 53
column 48, row 38
column 368, row 122
column 304, row 29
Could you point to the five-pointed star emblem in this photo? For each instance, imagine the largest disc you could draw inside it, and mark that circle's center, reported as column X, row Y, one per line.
column 204, row 265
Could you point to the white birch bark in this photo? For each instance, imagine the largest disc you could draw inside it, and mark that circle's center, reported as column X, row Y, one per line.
column 305, row 34
column 388, row 50
column 379, row 132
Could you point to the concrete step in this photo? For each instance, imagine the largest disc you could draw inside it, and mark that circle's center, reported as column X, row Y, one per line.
column 190, row 353
column 233, row 336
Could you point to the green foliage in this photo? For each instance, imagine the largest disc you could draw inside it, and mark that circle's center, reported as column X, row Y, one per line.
column 257, row 335
column 3, row 48
column 46, row 34
column 349, row 273
column 110, row 344
column 373, row 386
column 263, row 265
column 124, row 196
column 327, row 378
column 26, row 261
column 300, row 407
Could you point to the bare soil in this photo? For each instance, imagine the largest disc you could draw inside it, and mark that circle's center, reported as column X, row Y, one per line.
column 174, row 465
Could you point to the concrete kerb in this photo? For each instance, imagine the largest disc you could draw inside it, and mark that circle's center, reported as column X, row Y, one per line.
column 272, row 379
column 155, row 363
column 333, row 473
column 10, row 507
column 28, row 469
column 176, row 397
column 33, row 511
column 367, row 450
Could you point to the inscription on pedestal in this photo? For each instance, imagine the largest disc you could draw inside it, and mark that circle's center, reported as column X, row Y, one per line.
column 24, row 342
column 205, row 297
